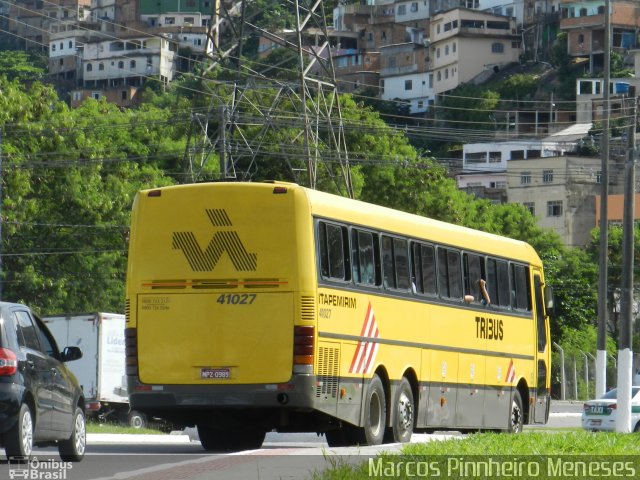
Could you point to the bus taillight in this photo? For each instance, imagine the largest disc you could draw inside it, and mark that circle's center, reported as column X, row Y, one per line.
column 131, row 351
column 303, row 348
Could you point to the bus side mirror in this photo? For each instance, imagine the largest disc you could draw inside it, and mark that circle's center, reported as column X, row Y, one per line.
column 548, row 297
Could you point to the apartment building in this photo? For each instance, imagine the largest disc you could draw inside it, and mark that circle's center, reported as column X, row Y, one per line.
column 465, row 44
column 583, row 20
column 405, row 75
column 29, row 21
column 560, row 192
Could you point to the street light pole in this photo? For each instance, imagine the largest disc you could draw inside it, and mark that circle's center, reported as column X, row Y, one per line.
column 625, row 354
column 601, row 353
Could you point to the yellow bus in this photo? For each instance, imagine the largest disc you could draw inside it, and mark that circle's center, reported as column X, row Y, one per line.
column 254, row 307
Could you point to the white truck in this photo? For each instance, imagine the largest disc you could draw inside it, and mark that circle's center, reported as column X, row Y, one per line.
column 101, row 370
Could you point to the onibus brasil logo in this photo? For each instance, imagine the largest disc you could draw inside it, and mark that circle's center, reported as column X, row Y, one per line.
column 227, row 240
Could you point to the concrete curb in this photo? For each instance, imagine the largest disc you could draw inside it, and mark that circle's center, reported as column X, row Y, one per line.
column 102, row 438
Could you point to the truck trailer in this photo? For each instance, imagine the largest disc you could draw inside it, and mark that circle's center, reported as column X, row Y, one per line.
column 101, row 370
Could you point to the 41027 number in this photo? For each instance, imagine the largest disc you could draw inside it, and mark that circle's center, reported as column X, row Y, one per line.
column 237, row 299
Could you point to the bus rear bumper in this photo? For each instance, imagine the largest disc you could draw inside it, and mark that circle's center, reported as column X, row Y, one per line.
column 298, row 392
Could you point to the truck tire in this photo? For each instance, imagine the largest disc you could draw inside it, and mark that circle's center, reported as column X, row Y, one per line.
column 136, row 419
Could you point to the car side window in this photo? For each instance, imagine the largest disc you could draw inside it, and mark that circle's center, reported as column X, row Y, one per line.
column 48, row 344
column 27, row 330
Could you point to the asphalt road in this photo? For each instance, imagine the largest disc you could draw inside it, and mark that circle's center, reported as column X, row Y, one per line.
column 180, row 456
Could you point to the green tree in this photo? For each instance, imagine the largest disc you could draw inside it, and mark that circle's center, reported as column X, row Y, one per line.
column 22, row 66
column 69, row 180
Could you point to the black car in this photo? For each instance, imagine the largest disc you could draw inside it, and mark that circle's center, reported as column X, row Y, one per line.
column 41, row 402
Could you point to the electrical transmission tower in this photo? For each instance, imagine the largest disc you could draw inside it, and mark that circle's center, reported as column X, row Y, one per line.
column 256, row 104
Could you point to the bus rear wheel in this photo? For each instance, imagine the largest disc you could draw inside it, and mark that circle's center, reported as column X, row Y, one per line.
column 375, row 414
column 516, row 414
column 403, row 413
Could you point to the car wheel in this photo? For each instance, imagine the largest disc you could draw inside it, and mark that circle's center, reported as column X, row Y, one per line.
column 19, row 439
column 72, row 449
column 516, row 417
column 136, row 419
column 637, row 429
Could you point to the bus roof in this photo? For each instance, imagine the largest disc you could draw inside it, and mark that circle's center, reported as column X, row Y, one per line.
column 373, row 216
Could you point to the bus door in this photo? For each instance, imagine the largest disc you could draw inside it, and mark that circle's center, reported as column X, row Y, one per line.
column 542, row 398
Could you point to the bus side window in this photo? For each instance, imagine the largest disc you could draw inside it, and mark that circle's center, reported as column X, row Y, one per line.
column 395, row 263
column 504, row 294
column 388, row 276
column 424, row 268
column 334, row 258
column 365, row 258
column 449, row 273
column 520, row 287
column 473, row 272
column 498, row 282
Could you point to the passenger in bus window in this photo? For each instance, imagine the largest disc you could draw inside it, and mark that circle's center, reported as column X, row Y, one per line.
column 485, row 299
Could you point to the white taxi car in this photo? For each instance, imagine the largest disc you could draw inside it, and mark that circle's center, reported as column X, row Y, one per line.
column 601, row 414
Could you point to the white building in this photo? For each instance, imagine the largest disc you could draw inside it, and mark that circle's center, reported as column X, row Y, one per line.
column 404, row 76
column 110, row 63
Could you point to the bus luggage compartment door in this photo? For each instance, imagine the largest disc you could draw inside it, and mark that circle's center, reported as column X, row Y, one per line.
column 215, row 338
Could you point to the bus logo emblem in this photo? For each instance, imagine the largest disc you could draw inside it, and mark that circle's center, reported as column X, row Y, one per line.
column 205, row 260
column 366, row 350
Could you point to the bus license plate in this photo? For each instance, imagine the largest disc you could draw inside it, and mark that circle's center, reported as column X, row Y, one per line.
column 215, row 373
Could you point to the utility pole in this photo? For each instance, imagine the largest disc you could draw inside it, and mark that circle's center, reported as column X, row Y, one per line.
column 601, row 354
column 1, row 212
column 625, row 354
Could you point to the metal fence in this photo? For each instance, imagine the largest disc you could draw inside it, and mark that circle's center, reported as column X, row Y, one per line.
column 573, row 375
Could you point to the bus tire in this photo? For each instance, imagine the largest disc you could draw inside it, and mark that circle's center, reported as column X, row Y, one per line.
column 403, row 413
column 516, row 414
column 375, row 413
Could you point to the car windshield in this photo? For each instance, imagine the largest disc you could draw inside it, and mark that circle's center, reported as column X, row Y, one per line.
column 613, row 393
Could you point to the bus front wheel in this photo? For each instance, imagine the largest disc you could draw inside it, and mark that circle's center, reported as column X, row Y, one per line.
column 375, row 413
column 403, row 414
column 516, row 417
